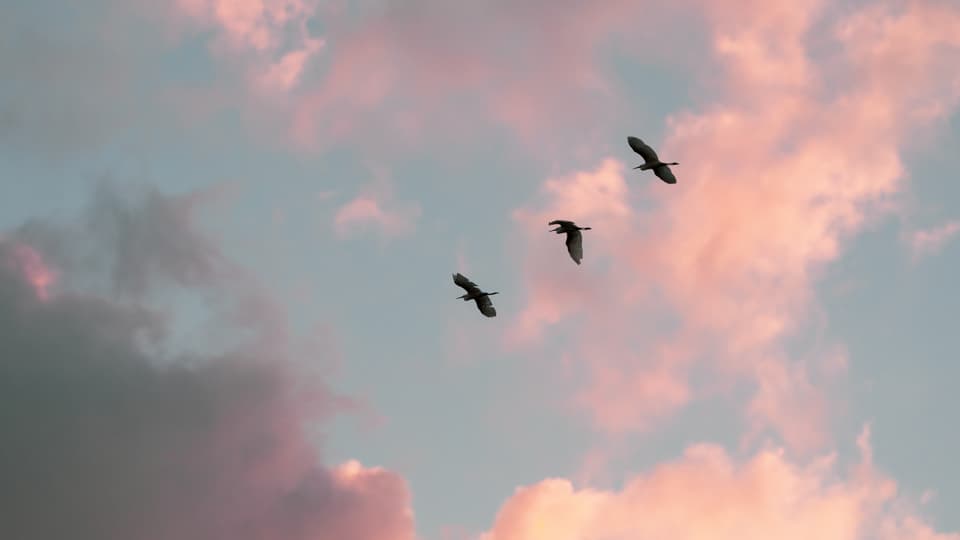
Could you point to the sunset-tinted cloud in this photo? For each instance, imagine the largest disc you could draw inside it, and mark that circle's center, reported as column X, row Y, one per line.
column 29, row 264
column 926, row 242
column 702, row 373
column 272, row 34
column 707, row 494
column 531, row 68
column 774, row 177
column 110, row 436
column 375, row 207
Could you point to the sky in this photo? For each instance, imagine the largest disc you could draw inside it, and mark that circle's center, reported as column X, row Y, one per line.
column 228, row 227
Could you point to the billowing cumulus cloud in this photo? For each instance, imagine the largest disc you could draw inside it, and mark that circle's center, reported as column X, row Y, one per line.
column 108, row 436
column 774, row 176
column 121, row 427
column 707, row 494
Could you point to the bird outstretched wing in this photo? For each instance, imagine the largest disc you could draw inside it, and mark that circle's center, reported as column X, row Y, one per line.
column 461, row 281
column 664, row 173
column 562, row 223
column 642, row 148
column 485, row 305
column 575, row 245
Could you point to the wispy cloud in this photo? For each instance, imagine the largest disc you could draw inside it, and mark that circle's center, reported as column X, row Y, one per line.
column 375, row 207
column 491, row 71
column 926, row 242
column 272, row 35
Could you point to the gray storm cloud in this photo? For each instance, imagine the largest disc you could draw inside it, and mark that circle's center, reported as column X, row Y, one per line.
column 103, row 437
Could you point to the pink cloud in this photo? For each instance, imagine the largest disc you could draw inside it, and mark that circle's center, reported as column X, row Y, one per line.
column 632, row 379
column 271, row 35
column 774, row 177
column 154, row 443
column 386, row 515
column 30, row 264
column 594, row 198
column 402, row 73
column 930, row 241
column 285, row 73
column 707, row 494
column 530, row 67
column 375, row 207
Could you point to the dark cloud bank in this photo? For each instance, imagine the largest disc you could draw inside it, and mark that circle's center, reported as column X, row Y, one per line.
column 103, row 438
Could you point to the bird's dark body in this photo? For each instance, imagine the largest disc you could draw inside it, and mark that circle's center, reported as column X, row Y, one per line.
column 652, row 161
column 484, row 304
column 574, row 237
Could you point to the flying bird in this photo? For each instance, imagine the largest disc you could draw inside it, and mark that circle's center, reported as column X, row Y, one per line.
column 574, row 238
column 651, row 161
column 474, row 293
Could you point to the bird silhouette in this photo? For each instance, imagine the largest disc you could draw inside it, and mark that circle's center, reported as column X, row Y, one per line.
column 484, row 304
column 574, row 238
column 651, row 161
